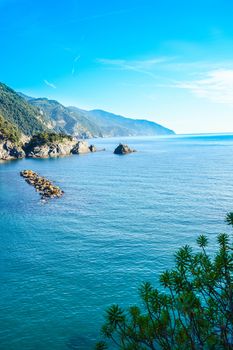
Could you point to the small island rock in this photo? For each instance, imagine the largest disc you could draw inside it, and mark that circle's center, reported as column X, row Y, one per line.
column 123, row 149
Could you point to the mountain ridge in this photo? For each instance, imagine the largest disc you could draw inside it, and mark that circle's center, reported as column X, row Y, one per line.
column 96, row 122
column 34, row 115
column 135, row 127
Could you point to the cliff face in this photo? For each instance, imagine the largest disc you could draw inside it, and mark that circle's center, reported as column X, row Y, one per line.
column 45, row 145
column 8, row 150
column 55, row 149
column 54, row 145
column 58, row 149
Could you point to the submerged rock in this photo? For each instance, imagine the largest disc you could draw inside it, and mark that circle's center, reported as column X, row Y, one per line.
column 42, row 185
column 123, row 149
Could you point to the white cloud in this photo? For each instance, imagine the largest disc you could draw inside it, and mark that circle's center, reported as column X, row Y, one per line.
column 215, row 85
column 49, row 84
column 212, row 81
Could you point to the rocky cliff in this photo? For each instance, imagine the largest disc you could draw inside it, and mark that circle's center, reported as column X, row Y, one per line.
column 9, row 150
column 54, row 145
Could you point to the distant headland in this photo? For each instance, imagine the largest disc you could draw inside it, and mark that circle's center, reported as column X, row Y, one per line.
column 38, row 127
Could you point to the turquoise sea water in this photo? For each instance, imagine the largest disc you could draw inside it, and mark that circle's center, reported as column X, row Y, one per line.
column 118, row 224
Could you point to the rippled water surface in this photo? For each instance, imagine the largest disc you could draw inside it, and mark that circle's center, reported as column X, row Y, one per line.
column 118, row 224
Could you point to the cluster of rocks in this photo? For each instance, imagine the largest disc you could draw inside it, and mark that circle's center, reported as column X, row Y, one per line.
column 123, row 149
column 42, row 185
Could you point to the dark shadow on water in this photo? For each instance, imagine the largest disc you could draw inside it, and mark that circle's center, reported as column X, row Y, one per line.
column 79, row 342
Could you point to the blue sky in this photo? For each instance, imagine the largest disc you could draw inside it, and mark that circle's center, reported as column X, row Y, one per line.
column 170, row 61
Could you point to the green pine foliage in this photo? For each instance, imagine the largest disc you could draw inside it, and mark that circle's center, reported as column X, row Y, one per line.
column 47, row 138
column 192, row 310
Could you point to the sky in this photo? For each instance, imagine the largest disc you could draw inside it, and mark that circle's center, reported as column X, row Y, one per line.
column 169, row 61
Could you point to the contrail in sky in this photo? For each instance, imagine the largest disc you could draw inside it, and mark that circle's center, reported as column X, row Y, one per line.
column 49, row 84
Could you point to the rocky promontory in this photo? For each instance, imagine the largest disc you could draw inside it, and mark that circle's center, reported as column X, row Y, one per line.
column 58, row 148
column 123, row 149
column 43, row 145
column 46, row 145
column 42, row 185
column 49, row 145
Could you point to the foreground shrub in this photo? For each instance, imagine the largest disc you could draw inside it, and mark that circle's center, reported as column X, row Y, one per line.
column 192, row 310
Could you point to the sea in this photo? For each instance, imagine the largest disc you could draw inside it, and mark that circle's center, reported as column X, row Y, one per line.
column 119, row 223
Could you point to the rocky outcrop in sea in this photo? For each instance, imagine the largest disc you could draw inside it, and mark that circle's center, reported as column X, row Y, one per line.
column 123, row 149
column 28, row 149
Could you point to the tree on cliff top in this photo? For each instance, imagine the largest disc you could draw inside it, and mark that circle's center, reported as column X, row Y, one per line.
column 193, row 309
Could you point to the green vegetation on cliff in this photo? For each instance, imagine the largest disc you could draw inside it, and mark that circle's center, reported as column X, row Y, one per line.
column 48, row 138
column 8, row 131
column 19, row 112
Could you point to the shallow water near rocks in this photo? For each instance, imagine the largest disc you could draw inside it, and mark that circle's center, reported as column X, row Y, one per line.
column 118, row 224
